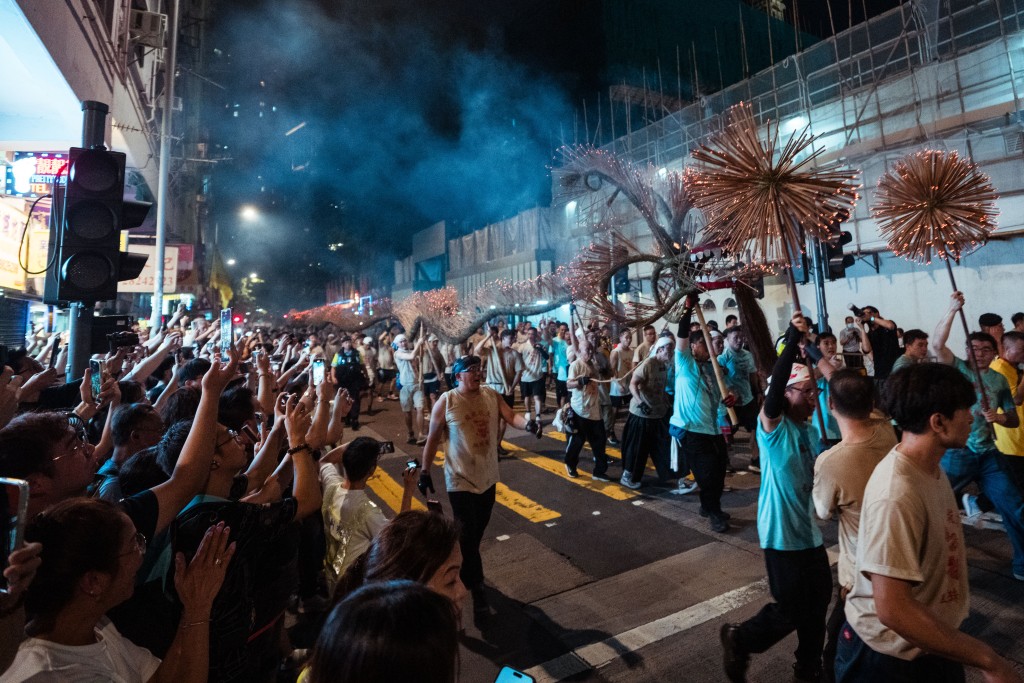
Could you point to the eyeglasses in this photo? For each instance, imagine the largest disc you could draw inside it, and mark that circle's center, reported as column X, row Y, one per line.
column 811, row 391
column 80, row 442
column 232, row 434
column 139, row 541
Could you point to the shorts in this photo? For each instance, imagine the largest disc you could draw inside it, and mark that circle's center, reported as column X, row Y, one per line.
column 534, row 388
column 747, row 416
column 385, row 375
column 410, row 398
column 432, row 388
column 561, row 389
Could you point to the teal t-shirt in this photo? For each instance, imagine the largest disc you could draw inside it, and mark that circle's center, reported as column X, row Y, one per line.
column 999, row 396
column 696, row 399
column 831, row 426
column 785, row 509
column 559, row 359
column 738, row 366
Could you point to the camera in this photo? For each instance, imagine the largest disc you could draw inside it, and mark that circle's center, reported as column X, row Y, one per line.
column 119, row 340
column 857, row 312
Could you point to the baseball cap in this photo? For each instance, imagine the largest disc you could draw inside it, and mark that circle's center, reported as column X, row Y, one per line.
column 989, row 319
column 660, row 344
column 367, row 340
column 464, row 363
column 399, row 339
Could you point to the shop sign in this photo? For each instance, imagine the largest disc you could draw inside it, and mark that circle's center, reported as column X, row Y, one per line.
column 32, row 174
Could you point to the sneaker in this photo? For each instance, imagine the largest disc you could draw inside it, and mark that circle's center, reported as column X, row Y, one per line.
column 603, row 476
column 355, row 426
column 704, row 513
column 411, row 440
column 571, row 472
column 734, row 659
column 686, row 485
column 971, row 506
column 612, row 441
column 754, row 466
column 807, row 674
column 502, row 451
column 421, row 441
column 719, row 524
column 380, row 399
column 627, row 480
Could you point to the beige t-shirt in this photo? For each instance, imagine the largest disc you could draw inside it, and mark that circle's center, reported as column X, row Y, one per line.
column 471, row 462
column 585, row 400
column 621, row 362
column 503, row 363
column 910, row 530
column 652, row 375
column 840, row 475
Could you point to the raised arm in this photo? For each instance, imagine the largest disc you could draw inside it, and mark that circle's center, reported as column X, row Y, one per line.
column 941, row 333
column 193, row 466
column 771, row 411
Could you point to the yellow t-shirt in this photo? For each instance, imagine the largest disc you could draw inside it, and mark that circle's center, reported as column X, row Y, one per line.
column 1009, row 441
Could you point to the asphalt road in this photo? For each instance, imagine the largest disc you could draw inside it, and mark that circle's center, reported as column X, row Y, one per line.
column 591, row 582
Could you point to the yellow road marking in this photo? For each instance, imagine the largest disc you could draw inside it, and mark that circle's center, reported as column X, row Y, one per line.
column 390, row 491
column 610, row 450
column 523, row 506
column 610, row 489
column 515, row 501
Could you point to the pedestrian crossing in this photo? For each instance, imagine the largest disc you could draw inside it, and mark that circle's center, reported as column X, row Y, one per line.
column 388, row 489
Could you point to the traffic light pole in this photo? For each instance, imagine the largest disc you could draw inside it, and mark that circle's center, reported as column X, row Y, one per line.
column 94, row 125
column 170, row 66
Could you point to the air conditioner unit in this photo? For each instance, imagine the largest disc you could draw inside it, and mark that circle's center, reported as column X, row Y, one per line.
column 147, row 28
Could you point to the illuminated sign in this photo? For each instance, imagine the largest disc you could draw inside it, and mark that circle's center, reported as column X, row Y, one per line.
column 32, row 174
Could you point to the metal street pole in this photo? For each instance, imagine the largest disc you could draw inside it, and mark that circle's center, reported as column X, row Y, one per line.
column 819, row 284
column 170, row 66
column 94, row 128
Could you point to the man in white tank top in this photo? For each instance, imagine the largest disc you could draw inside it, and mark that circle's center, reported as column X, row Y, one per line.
column 467, row 418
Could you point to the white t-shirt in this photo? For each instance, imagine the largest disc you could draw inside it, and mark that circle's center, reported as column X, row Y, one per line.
column 351, row 521
column 840, row 476
column 111, row 659
column 910, row 530
column 471, row 420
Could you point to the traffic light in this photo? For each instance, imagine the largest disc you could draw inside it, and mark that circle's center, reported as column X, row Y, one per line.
column 86, row 221
column 620, row 281
column 836, row 261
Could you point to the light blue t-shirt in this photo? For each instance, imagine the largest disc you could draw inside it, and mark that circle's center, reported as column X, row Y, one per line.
column 831, row 426
column 738, row 366
column 559, row 359
column 695, row 404
column 999, row 396
column 785, row 509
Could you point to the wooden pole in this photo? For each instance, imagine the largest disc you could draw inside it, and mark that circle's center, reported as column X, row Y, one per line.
column 714, row 361
column 970, row 348
column 817, row 403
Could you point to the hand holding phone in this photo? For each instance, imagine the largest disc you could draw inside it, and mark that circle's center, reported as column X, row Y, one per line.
column 318, row 371
column 13, row 515
column 510, row 675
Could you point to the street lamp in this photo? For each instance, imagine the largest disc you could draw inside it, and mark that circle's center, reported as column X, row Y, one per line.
column 232, row 261
column 253, row 276
column 249, row 213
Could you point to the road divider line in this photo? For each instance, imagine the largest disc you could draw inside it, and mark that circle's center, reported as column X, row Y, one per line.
column 612, row 490
column 610, row 450
column 390, row 491
column 523, row 506
column 599, row 654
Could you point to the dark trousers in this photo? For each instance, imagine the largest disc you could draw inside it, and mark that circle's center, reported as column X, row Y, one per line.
column 353, row 415
column 800, row 582
column 856, row 662
column 833, row 627
column 707, row 459
column 592, row 431
column 642, row 438
column 473, row 512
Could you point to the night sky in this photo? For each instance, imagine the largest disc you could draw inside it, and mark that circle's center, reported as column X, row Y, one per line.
column 410, row 113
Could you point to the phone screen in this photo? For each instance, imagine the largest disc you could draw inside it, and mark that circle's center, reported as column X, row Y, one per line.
column 227, row 333
column 510, row 675
column 14, row 498
column 318, row 371
column 54, row 353
column 97, row 377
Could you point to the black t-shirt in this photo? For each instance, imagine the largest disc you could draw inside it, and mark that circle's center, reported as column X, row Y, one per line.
column 255, row 529
column 144, row 510
column 885, row 349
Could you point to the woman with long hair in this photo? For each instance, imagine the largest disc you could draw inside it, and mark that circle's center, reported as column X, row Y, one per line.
column 91, row 553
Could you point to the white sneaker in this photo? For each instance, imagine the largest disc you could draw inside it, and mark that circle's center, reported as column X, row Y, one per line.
column 628, row 482
column 686, row 485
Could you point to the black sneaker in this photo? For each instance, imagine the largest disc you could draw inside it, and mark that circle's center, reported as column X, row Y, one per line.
column 571, row 472
column 704, row 513
column 603, row 476
column 718, row 523
column 411, row 440
column 355, row 426
column 734, row 659
column 612, row 441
